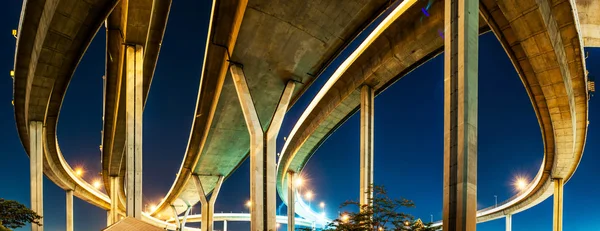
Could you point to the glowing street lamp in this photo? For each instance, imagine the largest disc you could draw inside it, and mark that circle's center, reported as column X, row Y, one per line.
column 345, row 218
column 79, row 171
column 248, row 204
column 309, row 195
column 96, row 184
column 152, row 207
column 298, row 181
column 322, row 205
column 520, row 183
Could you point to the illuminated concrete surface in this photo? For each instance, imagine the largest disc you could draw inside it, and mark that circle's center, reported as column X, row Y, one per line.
column 52, row 38
column 461, row 59
column 549, row 61
column 297, row 41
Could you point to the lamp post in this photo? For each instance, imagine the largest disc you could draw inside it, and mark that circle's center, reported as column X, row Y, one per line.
column 496, row 198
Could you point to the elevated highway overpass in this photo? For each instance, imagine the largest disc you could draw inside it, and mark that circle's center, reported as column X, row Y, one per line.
column 53, row 36
column 543, row 39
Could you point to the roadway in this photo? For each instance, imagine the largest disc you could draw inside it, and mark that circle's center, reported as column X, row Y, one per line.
column 53, row 36
column 544, row 45
column 298, row 39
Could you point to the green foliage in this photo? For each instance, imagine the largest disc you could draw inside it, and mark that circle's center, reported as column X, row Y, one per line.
column 15, row 215
column 383, row 213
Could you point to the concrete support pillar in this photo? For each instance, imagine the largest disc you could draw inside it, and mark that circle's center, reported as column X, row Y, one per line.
column 262, row 152
column 460, row 114
column 225, row 225
column 108, row 218
column 367, row 98
column 208, row 204
column 508, row 222
column 558, row 204
column 134, row 92
column 113, row 213
column 36, row 171
column 291, row 203
column 69, row 226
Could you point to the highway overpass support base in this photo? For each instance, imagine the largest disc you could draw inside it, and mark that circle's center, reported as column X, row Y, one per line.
column 134, row 81
column 178, row 223
column 508, row 222
column 460, row 114
column 558, row 204
column 69, row 209
column 208, row 204
column 113, row 213
column 291, row 196
column 36, row 171
column 262, row 152
column 367, row 99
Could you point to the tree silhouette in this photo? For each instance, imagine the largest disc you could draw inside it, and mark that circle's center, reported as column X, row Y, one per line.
column 15, row 215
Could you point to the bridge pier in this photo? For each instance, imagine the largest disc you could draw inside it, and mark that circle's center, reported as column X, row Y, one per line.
column 508, row 222
column 262, row 152
column 208, row 204
column 113, row 213
column 367, row 98
column 558, row 204
column 178, row 223
column 69, row 215
column 291, row 196
column 134, row 103
column 460, row 114
column 225, row 225
column 36, row 171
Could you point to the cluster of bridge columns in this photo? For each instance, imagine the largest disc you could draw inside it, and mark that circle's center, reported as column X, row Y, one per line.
column 460, row 141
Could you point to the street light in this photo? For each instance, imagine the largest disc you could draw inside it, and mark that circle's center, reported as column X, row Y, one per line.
column 298, row 181
column 78, row 171
column 96, row 184
column 345, row 218
column 496, row 198
column 322, row 204
column 520, row 183
column 309, row 196
column 248, row 203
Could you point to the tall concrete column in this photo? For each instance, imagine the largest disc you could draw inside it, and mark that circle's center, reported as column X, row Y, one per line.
column 36, row 171
column 558, row 204
column 262, row 152
column 291, row 201
column 108, row 221
column 69, row 226
column 367, row 99
column 460, row 114
column 208, row 204
column 508, row 222
column 113, row 213
column 224, row 225
column 134, row 93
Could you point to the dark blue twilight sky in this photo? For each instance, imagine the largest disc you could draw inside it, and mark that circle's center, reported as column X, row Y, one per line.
column 408, row 135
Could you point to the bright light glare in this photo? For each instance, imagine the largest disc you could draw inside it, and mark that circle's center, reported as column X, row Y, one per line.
column 97, row 184
column 152, row 207
column 309, row 195
column 521, row 183
column 322, row 204
column 79, row 171
column 345, row 218
column 298, row 181
column 277, row 225
column 248, row 204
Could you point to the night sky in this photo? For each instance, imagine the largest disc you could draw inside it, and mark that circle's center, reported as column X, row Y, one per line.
column 408, row 135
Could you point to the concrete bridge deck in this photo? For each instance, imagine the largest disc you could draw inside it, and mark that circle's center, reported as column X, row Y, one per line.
column 275, row 41
column 545, row 44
